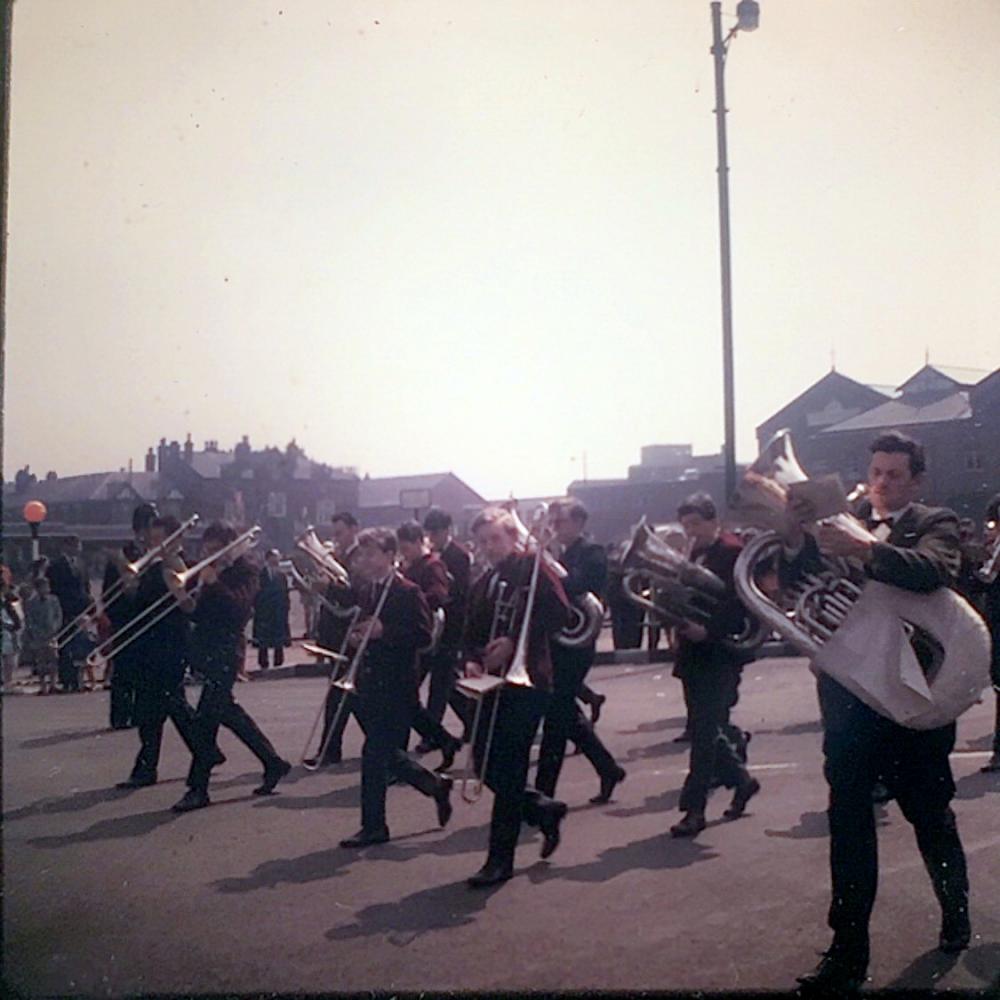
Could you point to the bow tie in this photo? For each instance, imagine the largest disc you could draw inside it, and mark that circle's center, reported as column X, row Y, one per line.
column 874, row 522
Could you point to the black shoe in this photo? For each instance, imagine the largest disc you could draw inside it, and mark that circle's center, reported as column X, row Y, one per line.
column 840, row 973
column 424, row 746
column 596, row 704
column 992, row 765
column 552, row 816
column 448, row 755
column 741, row 797
column 690, row 826
column 138, row 781
column 492, row 873
column 365, row 838
column 956, row 933
column 608, row 783
column 273, row 773
column 880, row 794
column 684, row 737
column 442, row 798
column 194, row 798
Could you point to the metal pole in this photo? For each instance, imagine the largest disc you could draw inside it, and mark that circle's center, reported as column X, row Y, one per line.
column 729, row 445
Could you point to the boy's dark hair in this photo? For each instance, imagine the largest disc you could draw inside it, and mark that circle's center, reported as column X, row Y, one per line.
column 893, row 442
column 143, row 516
column 346, row 518
column 219, row 531
column 167, row 522
column 573, row 509
column 993, row 508
column 381, row 538
column 699, row 503
column 437, row 519
column 410, row 531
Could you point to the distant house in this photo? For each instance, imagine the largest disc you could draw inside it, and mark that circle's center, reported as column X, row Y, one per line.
column 953, row 412
column 389, row 500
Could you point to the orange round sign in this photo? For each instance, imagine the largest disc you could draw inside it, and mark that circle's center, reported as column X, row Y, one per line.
column 34, row 512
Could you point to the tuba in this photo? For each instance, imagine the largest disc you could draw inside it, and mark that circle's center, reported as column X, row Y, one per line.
column 919, row 659
column 586, row 610
column 681, row 589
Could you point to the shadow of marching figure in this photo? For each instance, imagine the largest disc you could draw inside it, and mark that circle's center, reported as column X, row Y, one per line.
column 976, row 785
column 668, row 749
column 337, row 798
column 924, row 971
column 76, row 802
column 136, row 825
column 795, row 729
column 657, row 853
column 983, row 961
column 441, row 907
column 664, row 802
column 810, row 825
column 66, row 736
column 331, row 862
column 675, row 722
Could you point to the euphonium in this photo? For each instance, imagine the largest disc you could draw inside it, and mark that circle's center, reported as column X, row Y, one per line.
column 863, row 633
column 586, row 610
column 681, row 589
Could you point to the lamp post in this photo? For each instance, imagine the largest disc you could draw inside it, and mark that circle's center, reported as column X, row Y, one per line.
column 747, row 19
column 34, row 512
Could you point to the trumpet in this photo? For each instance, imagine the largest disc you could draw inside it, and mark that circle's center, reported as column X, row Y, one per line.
column 477, row 688
column 132, row 570
column 166, row 603
column 347, row 683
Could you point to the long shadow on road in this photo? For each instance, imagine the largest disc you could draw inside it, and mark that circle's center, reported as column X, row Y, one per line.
column 809, row 826
column 926, row 969
column 54, row 739
column 441, row 907
column 976, row 785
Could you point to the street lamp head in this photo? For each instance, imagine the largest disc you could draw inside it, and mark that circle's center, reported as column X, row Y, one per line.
column 748, row 15
column 34, row 512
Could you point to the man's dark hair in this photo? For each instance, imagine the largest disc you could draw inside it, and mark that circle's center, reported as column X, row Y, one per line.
column 993, row 508
column 893, row 442
column 699, row 503
column 70, row 541
column 219, row 531
column 437, row 519
column 142, row 516
column 573, row 509
column 381, row 538
column 410, row 531
column 167, row 522
column 346, row 518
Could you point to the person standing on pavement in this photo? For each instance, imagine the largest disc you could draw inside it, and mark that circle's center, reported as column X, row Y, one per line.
column 710, row 673
column 71, row 586
column 42, row 621
column 270, row 613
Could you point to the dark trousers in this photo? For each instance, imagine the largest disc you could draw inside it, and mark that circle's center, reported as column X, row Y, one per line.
column 519, row 712
column 262, row 655
column 333, row 741
column 69, row 671
column 386, row 729
column 564, row 721
column 709, row 691
column 443, row 668
column 626, row 625
column 123, row 692
column 154, row 704
column 861, row 747
column 217, row 707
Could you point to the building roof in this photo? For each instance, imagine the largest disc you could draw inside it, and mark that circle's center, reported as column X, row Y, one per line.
column 832, row 378
column 942, row 378
column 92, row 486
column 384, row 491
column 897, row 413
column 209, row 464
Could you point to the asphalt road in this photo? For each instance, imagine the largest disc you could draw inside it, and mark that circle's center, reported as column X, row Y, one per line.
column 108, row 892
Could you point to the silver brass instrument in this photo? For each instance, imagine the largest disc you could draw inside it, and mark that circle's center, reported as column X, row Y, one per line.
column 864, row 633
column 348, row 682
column 168, row 602
column 586, row 610
column 681, row 590
column 130, row 571
column 309, row 543
column 990, row 570
column 504, row 618
column 288, row 567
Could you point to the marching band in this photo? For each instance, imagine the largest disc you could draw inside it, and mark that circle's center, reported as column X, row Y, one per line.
column 868, row 596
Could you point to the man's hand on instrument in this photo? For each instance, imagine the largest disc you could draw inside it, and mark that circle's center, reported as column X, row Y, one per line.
column 498, row 653
column 840, row 539
column 799, row 510
column 693, row 631
column 473, row 669
column 209, row 575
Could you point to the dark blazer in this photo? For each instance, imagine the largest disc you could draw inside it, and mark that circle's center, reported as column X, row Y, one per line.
column 387, row 677
column 458, row 562
column 549, row 615
column 430, row 574
column 70, row 585
column 728, row 617
column 221, row 616
column 586, row 565
column 271, row 606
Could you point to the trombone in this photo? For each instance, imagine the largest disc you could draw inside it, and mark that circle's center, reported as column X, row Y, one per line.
column 132, row 570
column 347, row 683
column 477, row 688
column 166, row 603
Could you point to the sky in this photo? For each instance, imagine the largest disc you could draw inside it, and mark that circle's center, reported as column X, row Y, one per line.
column 429, row 235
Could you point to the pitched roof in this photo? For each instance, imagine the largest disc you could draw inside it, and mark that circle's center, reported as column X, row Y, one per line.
column 897, row 413
column 92, row 486
column 830, row 379
column 941, row 378
column 384, row 492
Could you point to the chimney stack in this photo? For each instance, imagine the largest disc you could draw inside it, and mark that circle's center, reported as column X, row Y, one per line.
column 150, row 461
column 188, row 449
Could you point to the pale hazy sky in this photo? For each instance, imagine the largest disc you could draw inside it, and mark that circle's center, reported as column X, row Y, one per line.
column 481, row 235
